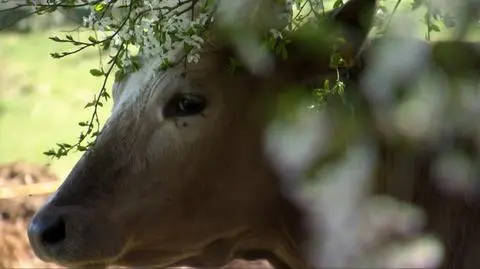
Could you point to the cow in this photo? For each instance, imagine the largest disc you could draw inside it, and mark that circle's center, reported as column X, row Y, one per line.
column 179, row 176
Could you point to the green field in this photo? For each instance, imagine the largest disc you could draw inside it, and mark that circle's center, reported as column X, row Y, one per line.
column 42, row 99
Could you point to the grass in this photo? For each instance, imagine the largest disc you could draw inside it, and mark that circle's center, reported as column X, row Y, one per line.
column 42, row 99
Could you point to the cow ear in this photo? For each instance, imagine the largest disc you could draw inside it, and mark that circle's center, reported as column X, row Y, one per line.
column 342, row 31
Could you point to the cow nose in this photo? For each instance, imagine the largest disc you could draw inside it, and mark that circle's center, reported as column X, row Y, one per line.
column 46, row 232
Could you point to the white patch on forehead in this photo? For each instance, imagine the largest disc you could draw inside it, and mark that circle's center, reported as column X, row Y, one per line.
column 143, row 82
column 149, row 78
column 129, row 89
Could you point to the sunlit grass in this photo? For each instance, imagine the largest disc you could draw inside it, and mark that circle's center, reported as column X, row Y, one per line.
column 42, row 99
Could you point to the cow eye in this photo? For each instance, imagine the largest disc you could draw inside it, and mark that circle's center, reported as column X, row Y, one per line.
column 185, row 105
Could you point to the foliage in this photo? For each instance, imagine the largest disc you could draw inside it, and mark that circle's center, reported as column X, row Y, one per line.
column 128, row 31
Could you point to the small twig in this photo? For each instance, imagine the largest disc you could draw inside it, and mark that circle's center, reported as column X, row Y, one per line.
column 389, row 20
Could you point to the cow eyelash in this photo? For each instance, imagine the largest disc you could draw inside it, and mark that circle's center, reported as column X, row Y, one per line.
column 182, row 105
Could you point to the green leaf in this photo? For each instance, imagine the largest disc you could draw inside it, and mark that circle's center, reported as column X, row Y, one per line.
column 338, row 3
column 96, row 72
column 50, row 152
column 89, row 104
column 100, row 7
column 61, row 146
column 55, row 55
column 54, row 38
column 105, row 94
column 81, row 148
column 106, row 44
column 92, row 39
column 326, row 85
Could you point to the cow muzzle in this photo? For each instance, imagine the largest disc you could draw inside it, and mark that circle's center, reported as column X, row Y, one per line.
column 73, row 236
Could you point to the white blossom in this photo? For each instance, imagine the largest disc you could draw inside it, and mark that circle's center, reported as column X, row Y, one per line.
column 155, row 28
column 193, row 58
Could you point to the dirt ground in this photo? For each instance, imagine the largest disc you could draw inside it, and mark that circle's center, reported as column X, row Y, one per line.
column 15, row 214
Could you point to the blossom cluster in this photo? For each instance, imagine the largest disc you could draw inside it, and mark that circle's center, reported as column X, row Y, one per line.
column 156, row 28
column 132, row 29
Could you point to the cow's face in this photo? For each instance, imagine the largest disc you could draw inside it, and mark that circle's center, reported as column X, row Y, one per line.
column 180, row 155
column 178, row 166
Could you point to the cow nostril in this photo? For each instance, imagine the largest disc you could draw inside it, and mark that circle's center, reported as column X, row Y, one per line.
column 54, row 233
